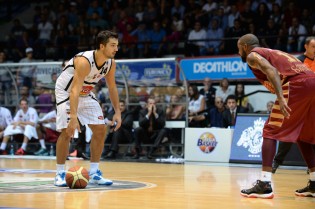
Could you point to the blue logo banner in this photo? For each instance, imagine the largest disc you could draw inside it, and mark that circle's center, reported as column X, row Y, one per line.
column 146, row 69
column 215, row 68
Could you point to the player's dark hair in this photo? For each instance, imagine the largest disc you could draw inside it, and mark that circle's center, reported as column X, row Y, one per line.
column 103, row 37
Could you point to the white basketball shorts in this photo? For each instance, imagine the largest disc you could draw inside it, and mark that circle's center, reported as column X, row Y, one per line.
column 28, row 131
column 89, row 112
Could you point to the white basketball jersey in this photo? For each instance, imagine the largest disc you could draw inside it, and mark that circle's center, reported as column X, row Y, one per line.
column 30, row 115
column 65, row 79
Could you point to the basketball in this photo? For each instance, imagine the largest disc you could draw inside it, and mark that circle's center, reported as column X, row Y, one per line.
column 77, row 177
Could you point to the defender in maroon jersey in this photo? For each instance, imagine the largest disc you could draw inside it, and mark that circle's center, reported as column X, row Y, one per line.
column 293, row 115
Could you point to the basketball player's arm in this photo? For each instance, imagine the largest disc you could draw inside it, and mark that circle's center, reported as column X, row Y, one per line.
column 82, row 69
column 113, row 94
column 256, row 61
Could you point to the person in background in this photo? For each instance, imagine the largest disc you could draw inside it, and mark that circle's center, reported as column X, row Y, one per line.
column 216, row 114
column 229, row 115
column 208, row 91
column 240, row 99
column 46, row 130
column 122, row 135
column 308, row 57
column 24, row 122
column 224, row 89
column 5, row 121
column 151, row 128
column 196, row 106
column 25, row 75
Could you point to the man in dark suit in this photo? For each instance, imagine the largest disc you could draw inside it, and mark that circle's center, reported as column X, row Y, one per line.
column 151, row 128
column 123, row 134
column 229, row 115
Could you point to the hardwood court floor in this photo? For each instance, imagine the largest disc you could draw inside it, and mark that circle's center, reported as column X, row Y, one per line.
column 173, row 186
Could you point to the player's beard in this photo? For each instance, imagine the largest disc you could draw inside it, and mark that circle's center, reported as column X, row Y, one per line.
column 243, row 57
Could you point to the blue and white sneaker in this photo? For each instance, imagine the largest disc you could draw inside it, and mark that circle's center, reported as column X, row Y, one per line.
column 60, row 179
column 97, row 178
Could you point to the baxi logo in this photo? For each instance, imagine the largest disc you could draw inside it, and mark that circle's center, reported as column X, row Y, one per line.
column 207, row 142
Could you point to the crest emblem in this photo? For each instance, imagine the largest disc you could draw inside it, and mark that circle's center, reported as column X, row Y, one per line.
column 251, row 137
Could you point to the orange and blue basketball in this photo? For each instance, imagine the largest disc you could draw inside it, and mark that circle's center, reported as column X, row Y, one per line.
column 77, row 177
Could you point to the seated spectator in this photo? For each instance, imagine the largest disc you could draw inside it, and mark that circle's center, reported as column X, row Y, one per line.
column 25, row 75
column 25, row 94
column 44, row 101
column 46, row 131
column 240, row 99
column 230, row 114
column 123, row 134
column 269, row 108
column 142, row 35
column 5, row 119
column 196, row 45
column 24, row 123
column 208, row 91
column 214, row 46
column 151, row 128
column 216, row 117
column 224, row 89
column 157, row 37
column 196, row 105
column 296, row 34
column 175, row 111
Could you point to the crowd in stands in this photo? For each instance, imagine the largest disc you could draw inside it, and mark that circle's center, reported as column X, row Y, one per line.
column 156, row 28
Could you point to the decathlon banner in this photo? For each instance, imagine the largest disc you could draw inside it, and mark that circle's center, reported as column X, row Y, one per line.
column 215, row 68
column 146, row 69
column 247, row 138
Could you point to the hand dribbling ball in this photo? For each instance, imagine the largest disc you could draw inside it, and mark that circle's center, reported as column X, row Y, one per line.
column 77, row 177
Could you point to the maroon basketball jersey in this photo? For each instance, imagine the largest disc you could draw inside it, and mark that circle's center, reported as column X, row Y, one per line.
column 287, row 66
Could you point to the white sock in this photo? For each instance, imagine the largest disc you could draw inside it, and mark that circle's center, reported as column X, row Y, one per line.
column 42, row 143
column 312, row 176
column 60, row 168
column 265, row 176
column 3, row 146
column 24, row 145
column 93, row 168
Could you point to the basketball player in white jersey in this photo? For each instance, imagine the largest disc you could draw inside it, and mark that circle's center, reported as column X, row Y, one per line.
column 76, row 103
column 24, row 122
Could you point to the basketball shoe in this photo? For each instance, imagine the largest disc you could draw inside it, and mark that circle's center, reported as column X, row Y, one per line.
column 20, row 152
column 42, row 152
column 60, row 179
column 97, row 178
column 262, row 189
column 308, row 191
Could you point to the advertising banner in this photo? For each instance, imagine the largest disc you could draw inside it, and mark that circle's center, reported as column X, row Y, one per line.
column 247, row 138
column 215, row 68
column 208, row 144
column 146, row 70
